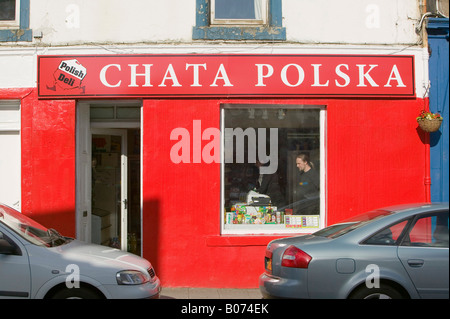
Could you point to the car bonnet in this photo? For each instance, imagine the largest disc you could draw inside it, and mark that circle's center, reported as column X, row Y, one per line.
column 102, row 256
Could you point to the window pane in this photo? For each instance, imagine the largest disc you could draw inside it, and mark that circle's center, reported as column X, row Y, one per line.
column 128, row 113
column 102, row 112
column 235, row 9
column 388, row 236
column 271, row 168
column 7, row 10
column 9, row 115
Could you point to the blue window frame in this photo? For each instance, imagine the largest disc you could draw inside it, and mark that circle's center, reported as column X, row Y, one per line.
column 21, row 33
column 271, row 31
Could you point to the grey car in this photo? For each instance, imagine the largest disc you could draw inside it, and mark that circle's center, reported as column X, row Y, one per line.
column 36, row 263
column 394, row 252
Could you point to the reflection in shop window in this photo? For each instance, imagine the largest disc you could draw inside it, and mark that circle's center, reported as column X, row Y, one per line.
column 287, row 199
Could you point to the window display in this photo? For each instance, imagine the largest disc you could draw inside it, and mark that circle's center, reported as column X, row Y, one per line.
column 271, row 176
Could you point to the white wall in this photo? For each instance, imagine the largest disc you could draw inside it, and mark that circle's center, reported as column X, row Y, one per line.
column 112, row 21
column 351, row 21
column 71, row 22
column 17, row 67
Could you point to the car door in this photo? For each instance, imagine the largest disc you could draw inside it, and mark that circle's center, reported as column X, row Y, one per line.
column 424, row 254
column 15, row 275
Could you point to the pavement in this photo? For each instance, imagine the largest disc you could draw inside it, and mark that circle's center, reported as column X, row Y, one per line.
column 209, row 293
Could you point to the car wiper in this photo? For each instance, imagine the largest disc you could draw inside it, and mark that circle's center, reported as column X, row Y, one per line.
column 55, row 237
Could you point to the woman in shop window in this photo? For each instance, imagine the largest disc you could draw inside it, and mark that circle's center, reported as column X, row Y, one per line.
column 307, row 190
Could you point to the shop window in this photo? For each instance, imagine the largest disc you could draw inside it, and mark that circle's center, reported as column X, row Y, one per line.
column 10, row 163
column 239, row 20
column 272, row 169
column 14, row 21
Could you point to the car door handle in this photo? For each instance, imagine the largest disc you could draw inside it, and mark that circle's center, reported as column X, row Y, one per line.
column 415, row 263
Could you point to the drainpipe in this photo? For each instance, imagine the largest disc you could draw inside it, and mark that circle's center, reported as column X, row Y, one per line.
column 426, row 101
column 427, row 180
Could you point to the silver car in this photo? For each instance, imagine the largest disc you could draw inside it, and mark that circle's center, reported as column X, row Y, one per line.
column 396, row 252
column 36, row 262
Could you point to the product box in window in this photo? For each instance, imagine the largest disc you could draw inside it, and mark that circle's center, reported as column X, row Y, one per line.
column 249, row 214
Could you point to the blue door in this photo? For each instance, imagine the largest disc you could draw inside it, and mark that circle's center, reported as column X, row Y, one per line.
column 438, row 33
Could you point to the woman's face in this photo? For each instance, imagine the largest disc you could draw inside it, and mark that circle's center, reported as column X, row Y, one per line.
column 301, row 164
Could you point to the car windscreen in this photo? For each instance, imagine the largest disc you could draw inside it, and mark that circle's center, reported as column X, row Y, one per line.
column 28, row 228
column 353, row 223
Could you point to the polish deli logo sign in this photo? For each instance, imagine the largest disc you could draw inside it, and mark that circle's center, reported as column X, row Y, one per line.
column 68, row 76
column 197, row 75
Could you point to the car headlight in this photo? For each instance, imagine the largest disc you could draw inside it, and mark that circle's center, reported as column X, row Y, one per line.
column 131, row 277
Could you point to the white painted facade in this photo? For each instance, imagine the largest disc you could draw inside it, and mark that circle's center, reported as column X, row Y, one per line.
column 75, row 22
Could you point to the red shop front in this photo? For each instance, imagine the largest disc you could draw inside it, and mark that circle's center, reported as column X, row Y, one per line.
column 159, row 154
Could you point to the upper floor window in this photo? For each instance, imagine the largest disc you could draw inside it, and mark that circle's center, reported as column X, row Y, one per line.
column 239, row 20
column 9, row 13
column 239, row 12
column 15, row 21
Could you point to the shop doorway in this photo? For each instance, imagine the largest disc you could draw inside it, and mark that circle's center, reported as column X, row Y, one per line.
column 108, row 175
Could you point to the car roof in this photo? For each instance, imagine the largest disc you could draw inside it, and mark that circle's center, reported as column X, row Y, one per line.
column 385, row 216
column 417, row 207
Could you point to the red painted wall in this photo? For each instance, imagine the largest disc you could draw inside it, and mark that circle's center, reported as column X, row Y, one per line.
column 181, row 201
column 48, row 159
column 375, row 157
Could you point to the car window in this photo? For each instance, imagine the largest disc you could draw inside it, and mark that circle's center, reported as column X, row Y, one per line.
column 334, row 229
column 387, row 236
column 29, row 229
column 431, row 230
column 353, row 223
column 5, row 241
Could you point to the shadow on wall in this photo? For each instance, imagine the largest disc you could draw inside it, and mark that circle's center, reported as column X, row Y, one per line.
column 151, row 232
column 63, row 221
column 433, row 138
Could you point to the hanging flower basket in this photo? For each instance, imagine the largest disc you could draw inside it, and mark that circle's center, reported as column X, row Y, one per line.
column 429, row 122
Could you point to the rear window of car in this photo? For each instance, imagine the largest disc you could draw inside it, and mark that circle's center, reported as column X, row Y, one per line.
column 353, row 223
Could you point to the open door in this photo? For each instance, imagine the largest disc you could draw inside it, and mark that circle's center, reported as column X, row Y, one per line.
column 109, row 196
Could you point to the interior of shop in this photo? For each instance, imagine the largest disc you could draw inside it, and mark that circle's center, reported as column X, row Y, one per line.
column 298, row 131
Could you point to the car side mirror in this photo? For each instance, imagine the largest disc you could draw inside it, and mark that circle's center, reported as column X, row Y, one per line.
column 6, row 248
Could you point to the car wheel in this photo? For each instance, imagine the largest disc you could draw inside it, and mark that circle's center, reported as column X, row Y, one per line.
column 383, row 292
column 76, row 293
